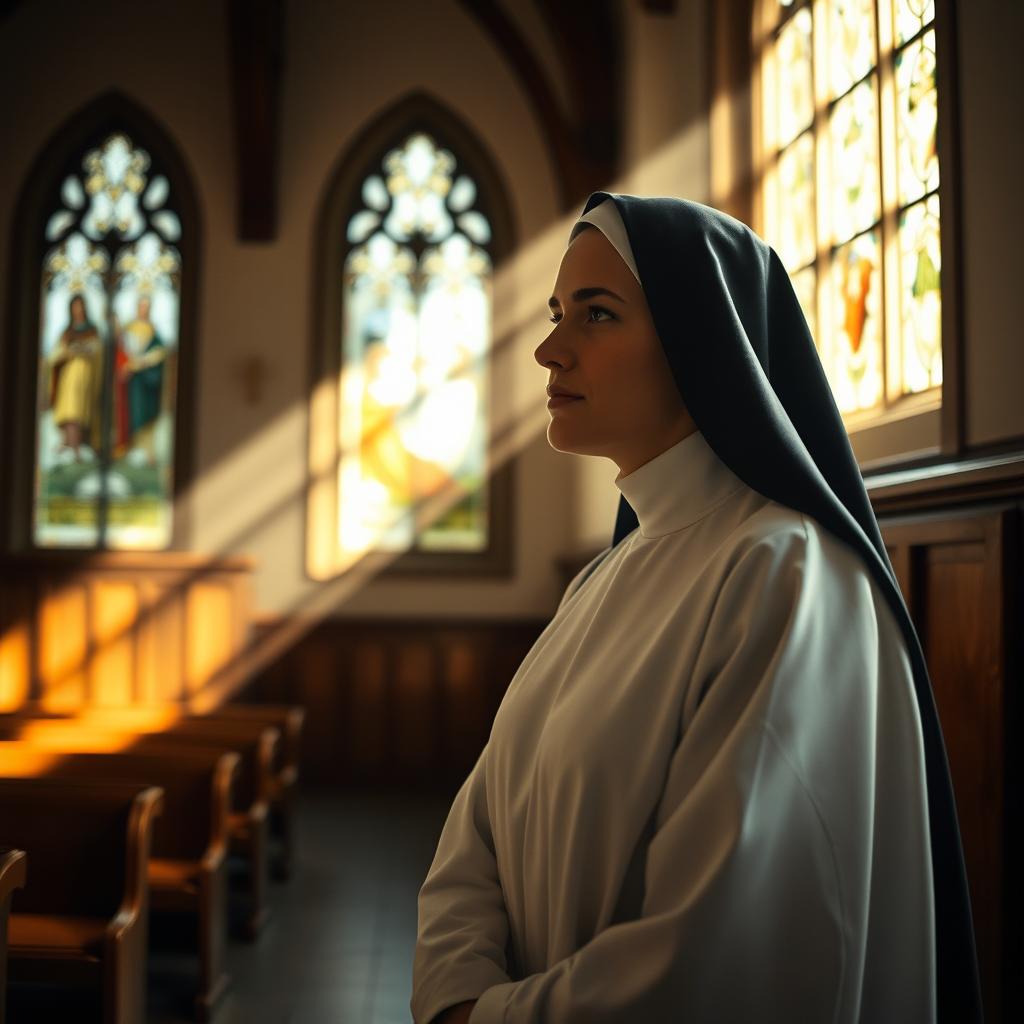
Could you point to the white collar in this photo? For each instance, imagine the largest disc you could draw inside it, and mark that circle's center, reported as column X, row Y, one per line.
column 676, row 488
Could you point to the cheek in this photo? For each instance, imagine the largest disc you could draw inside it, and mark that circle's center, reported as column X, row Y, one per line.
column 643, row 385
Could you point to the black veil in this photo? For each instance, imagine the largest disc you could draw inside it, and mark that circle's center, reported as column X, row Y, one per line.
column 748, row 371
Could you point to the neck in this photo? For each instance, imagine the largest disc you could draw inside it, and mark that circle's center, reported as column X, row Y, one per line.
column 677, row 487
column 633, row 460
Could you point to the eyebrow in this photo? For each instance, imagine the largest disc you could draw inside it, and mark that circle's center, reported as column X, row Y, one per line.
column 586, row 293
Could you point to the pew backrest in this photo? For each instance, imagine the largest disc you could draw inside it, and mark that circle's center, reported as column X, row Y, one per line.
column 83, row 839
column 196, row 783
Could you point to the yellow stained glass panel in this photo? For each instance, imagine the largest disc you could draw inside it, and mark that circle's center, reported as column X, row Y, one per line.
column 415, row 342
column 856, row 200
column 796, row 203
column 917, row 118
column 911, row 16
column 851, row 42
column 796, row 90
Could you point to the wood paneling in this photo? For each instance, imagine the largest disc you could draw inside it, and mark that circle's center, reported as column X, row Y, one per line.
column 397, row 703
column 959, row 572
column 117, row 628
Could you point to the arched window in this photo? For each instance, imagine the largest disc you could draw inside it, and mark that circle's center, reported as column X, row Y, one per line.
column 104, row 249
column 412, row 244
column 846, row 109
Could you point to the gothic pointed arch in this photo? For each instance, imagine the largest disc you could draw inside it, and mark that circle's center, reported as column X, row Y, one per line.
column 99, row 362
column 412, row 227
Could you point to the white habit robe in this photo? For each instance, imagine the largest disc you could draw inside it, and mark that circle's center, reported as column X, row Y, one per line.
column 703, row 797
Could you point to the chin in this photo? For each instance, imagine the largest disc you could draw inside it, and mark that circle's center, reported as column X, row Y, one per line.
column 563, row 439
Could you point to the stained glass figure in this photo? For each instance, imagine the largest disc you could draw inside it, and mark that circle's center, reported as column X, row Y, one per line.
column 109, row 300
column 415, row 340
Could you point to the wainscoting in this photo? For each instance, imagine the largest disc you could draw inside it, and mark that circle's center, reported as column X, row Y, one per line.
column 396, row 703
column 960, row 574
column 118, row 627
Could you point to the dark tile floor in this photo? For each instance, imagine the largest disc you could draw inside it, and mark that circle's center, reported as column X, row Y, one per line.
column 339, row 945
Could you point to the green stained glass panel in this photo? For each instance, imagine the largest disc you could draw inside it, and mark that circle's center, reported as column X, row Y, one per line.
column 852, row 350
column 911, row 16
column 853, row 127
column 796, row 90
column 920, row 296
column 796, row 202
column 918, row 167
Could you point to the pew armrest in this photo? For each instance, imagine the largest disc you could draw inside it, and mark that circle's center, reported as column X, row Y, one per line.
column 135, row 900
column 223, row 785
column 270, row 741
column 12, row 872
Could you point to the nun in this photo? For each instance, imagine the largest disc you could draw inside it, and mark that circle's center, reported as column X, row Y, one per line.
column 716, row 788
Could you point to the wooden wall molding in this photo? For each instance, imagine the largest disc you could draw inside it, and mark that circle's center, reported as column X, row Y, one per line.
column 256, row 59
column 585, row 144
column 948, row 484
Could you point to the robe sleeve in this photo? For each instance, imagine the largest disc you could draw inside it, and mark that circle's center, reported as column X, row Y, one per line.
column 463, row 927
column 743, row 916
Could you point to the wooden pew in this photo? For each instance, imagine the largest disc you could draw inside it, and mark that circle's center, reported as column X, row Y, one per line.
column 255, row 743
column 187, row 868
column 12, row 876
column 83, row 914
column 289, row 718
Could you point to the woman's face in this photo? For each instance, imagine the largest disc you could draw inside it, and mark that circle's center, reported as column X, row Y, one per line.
column 606, row 350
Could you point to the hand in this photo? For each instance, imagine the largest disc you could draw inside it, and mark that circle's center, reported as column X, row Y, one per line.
column 457, row 1014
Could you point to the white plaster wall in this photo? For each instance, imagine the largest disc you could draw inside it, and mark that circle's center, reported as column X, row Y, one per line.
column 343, row 65
column 989, row 34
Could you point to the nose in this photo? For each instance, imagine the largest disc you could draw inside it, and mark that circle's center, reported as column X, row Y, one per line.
column 553, row 352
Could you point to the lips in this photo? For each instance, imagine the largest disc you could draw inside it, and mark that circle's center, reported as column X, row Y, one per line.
column 558, row 392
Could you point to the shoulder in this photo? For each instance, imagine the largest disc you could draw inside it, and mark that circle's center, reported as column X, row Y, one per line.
column 772, row 535
column 793, row 553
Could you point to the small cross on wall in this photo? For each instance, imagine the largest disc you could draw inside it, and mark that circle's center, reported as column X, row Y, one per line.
column 251, row 371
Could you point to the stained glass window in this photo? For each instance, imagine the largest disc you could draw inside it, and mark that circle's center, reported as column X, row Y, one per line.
column 107, row 357
column 414, row 339
column 850, row 188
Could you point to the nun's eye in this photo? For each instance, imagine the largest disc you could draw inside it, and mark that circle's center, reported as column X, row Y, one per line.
column 591, row 310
